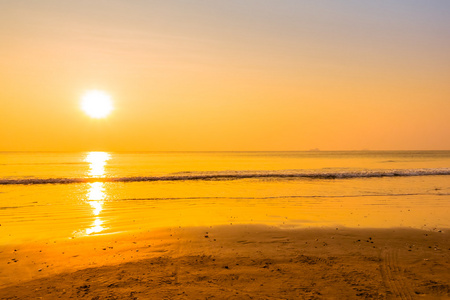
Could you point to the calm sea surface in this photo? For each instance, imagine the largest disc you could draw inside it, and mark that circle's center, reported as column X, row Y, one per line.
column 45, row 196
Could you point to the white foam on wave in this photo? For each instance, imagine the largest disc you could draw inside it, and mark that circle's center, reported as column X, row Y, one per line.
column 235, row 175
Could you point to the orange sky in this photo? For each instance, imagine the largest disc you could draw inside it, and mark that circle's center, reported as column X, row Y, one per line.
column 229, row 75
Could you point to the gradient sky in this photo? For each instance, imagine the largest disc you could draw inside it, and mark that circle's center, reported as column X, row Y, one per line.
column 226, row 75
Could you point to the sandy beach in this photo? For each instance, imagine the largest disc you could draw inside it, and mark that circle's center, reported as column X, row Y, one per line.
column 233, row 262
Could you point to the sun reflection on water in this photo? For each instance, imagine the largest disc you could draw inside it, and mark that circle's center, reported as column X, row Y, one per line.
column 95, row 196
column 97, row 161
column 96, row 193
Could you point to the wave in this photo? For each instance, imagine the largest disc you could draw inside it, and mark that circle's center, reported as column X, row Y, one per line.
column 281, row 197
column 236, row 175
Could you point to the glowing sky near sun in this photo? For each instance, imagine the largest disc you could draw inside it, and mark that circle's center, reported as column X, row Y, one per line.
column 226, row 75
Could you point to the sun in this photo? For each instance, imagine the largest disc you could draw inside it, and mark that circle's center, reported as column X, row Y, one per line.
column 96, row 104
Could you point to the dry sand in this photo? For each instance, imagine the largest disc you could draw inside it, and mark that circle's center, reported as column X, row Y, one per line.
column 233, row 262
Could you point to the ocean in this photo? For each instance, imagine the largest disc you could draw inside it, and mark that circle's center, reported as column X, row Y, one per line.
column 49, row 196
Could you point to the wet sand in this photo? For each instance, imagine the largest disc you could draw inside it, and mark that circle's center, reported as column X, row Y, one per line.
column 233, row 262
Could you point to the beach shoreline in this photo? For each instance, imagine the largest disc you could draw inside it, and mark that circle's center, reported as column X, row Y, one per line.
column 233, row 261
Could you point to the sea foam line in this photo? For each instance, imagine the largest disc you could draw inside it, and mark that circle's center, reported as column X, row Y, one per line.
column 237, row 175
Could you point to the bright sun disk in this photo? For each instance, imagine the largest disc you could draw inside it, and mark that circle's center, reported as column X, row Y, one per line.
column 96, row 104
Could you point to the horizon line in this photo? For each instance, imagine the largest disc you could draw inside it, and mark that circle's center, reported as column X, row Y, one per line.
column 220, row 151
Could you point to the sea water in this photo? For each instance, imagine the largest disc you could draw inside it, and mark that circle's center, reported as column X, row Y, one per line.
column 45, row 196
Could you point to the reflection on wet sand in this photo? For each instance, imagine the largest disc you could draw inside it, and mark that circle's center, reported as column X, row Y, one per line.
column 96, row 194
column 96, row 227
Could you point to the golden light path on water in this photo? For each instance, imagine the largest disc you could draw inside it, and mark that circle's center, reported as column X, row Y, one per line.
column 96, row 193
column 97, row 162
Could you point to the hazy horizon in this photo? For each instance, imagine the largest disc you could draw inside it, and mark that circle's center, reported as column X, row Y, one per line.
column 219, row 151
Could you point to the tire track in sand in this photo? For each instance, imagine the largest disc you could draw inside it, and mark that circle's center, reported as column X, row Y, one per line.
column 393, row 276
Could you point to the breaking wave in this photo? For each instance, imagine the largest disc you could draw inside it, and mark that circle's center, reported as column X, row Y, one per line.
column 235, row 175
